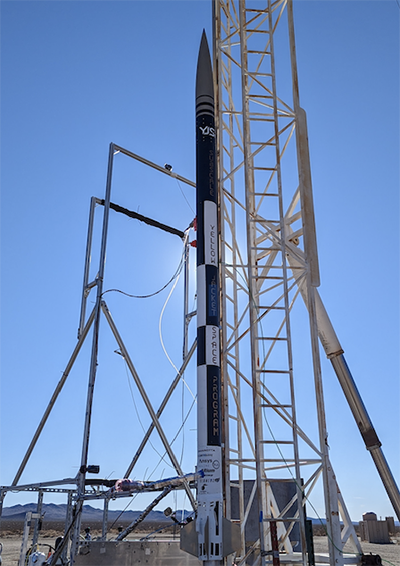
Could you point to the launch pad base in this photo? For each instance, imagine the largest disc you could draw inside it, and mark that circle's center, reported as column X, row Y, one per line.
column 128, row 553
column 165, row 552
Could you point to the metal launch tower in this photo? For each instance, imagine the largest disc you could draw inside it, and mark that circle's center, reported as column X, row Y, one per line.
column 270, row 451
column 268, row 259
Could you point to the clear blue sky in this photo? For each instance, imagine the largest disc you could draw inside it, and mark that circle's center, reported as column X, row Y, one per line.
column 76, row 76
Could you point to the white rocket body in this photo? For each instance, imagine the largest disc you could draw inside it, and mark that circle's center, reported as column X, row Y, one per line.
column 210, row 490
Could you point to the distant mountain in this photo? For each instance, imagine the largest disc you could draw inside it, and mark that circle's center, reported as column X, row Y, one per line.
column 53, row 512
column 323, row 522
column 317, row 521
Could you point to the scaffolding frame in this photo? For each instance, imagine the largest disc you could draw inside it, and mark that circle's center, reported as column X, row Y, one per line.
column 268, row 251
column 83, row 489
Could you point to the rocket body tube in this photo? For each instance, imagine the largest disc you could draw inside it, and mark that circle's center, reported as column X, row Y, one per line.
column 209, row 426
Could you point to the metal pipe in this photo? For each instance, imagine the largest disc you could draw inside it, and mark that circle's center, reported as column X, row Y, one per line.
column 371, row 440
column 329, row 482
column 87, row 265
column 305, row 181
column 303, row 160
column 93, row 361
column 145, row 398
column 2, row 496
column 54, row 398
column 68, row 521
column 105, row 519
column 37, row 522
column 334, row 352
column 37, row 486
column 161, row 408
column 154, row 165
column 143, row 515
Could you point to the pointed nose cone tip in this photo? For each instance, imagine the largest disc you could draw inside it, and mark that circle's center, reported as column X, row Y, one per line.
column 204, row 78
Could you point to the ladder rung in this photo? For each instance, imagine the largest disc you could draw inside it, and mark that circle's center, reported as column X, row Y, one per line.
column 262, row 248
column 268, row 277
column 269, row 249
column 270, row 338
column 255, row 74
column 263, row 221
column 271, row 460
column 282, row 519
column 276, row 406
column 259, row 116
column 256, row 52
column 263, row 168
column 231, row 112
column 257, row 11
column 273, row 371
column 277, row 441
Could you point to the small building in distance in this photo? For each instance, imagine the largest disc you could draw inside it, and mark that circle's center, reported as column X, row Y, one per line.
column 391, row 525
column 372, row 530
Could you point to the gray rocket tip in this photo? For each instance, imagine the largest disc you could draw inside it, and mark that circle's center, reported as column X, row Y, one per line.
column 204, row 80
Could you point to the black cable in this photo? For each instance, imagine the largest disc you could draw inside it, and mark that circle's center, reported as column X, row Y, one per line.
column 145, row 219
column 184, row 196
column 177, row 272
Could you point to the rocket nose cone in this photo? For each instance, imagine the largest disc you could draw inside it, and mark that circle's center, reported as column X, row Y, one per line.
column 204, row 75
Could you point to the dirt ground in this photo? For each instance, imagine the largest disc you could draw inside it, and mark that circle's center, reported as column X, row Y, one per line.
column 389, row 553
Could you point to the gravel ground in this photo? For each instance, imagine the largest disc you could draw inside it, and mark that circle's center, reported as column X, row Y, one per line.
column 389, row 553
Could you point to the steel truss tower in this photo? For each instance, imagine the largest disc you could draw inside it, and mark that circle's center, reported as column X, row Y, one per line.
column 269, row 256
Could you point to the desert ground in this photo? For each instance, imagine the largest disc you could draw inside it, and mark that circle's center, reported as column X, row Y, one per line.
column 389, row 553
column 10, row 537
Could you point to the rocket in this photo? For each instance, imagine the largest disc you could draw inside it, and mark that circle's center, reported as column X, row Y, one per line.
column 210, row 536
column 209, row 456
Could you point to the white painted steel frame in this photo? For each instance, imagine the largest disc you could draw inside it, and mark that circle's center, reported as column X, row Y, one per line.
column 100, row 307
column 80, row 493
column 256, row 129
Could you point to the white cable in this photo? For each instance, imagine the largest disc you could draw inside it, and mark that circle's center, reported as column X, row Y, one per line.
column 161, row 339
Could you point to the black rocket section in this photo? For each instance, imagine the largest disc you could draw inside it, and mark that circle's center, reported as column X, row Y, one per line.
column 210, row 537
column 205, row 139
column 207, row 241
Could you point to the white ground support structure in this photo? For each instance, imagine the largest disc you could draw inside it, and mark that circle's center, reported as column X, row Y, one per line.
column 272, row 463
column 268, row 253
